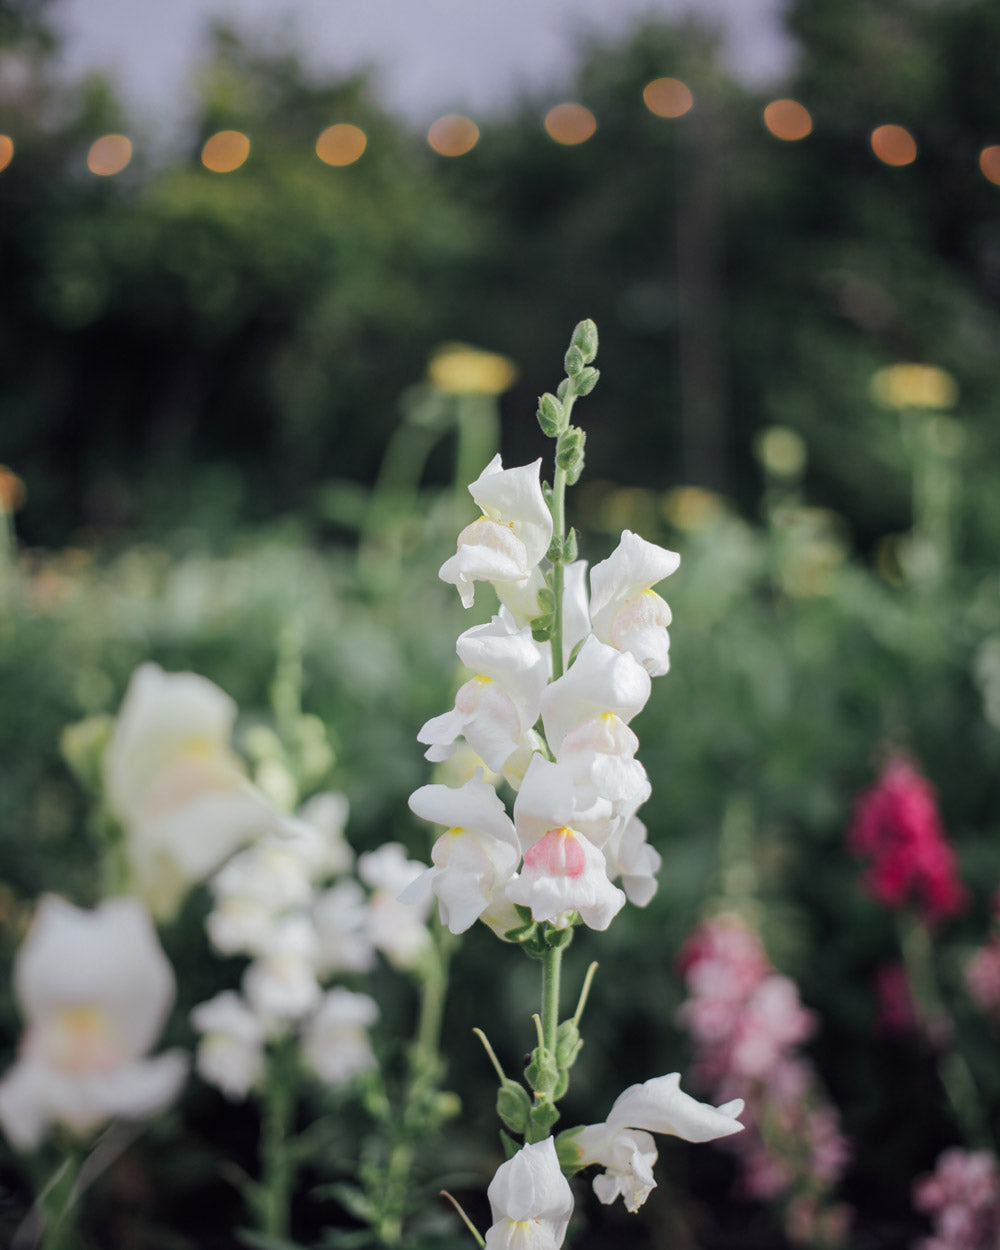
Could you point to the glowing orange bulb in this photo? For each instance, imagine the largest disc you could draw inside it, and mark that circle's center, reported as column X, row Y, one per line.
column 6, row 151
column 225, row 151
column 989, row 163
column 570, row 124
column 667, row 97
column 342, row 144
column 453, row 135
column 109, row 155
column 893, row 145
column 788, row 120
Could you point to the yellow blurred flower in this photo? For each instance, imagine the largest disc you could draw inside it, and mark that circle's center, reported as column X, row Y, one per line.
column 458, row 369
column 693, row 507
column 914, row 386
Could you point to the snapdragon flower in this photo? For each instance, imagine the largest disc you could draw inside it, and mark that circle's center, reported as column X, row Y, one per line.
column 95, row 989
column 625, row 610
column 335, row 1042
column 230, row 1053
column 564, row 869
column 497, row 708
column 398, row 930
column 504, row 546
column 176, row 786
column 478, row 853
column 630, row 857
column 622, row 1145
column 530, row 1200
column 281, row 984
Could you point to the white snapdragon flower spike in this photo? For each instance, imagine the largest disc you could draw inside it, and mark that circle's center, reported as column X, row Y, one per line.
column 563, row 871
column 530, row 1200
column 230, row 1054
column 317, row 835
column 95, row 989
column 623, row 1146
column 479, row 851
column 505, row 545
column 626, row 612
column 340, row 915
column 335, row 1041
column 280, row 985
column 630, row 857
column 176, row 786
column 497, row 708
column 398, row 930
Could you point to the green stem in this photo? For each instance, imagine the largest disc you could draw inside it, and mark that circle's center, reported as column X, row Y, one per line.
column 57, row 1206
column 277, row 1166
column 551, row 969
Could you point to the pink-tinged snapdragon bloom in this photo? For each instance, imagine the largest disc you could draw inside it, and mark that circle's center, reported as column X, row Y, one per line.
column 95, row 989
column 478, row 853
column 622, row 1145
column 530, row 1200
column 625, row 610
column 962, row 1197
column 564, row 869
column 982, row 977
column 504, row 546
column 496, row 709
column 897, row 828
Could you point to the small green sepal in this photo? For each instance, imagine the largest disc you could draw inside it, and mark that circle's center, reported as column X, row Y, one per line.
column 543, row 1116
column 551, row 415
column 568, row 1044
column 542, row 1073
column 510, row 1146
column 568, row 1152
column 514, row 1106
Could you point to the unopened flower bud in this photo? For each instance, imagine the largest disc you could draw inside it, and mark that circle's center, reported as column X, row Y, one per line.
column 543, row 1071
column 574, row 362
column 569, row 453
column 551, row 415
column 568, row 1044
column 585, row 339
column 586, row 380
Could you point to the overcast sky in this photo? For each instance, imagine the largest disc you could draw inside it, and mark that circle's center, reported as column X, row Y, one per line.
column 430, row 56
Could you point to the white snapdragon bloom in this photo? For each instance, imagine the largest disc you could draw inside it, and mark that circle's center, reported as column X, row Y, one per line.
column 479, row 851
column 623, row 1146
column 625, row 610
column 252, row 891
column 586, row 713
column 178, row 789
column 340, row 915
column 505, row 545
column 335, row 1041
column 564, row 871
column 317, row 835
column 497, row 708
column 230, row 1054
column 95, row 988
column 281, row 985
column 530, row 1200
column 630, row 857
column 398, row 930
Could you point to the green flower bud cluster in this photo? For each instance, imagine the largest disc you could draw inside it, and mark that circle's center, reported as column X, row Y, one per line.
column 554, row 410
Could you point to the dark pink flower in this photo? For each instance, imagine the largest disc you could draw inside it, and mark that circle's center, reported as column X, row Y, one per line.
column 897, row 828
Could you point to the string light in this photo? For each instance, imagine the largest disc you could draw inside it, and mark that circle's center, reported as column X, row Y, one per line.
column 894, row 145
column 570, row 124
column 788, row 120
column 225, row 151
column 341, row 144
column 453, row 135
column 667, row 97
column 109, row 155
column 6, row 151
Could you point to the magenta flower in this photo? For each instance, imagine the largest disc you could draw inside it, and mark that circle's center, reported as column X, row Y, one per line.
column 898, row 829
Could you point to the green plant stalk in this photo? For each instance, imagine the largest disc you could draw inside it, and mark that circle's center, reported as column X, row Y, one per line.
column 57, row 1205
column 424, row 1066
column 277, row 1164
column 559, row 536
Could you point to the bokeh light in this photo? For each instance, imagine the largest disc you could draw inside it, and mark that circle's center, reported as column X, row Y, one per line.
column 12, row 490
column 914, row 386
column 570, row 124
column 458, row 369
column 453, row 135
column 341, row 144
column 894, row 145
column 788, row 120
column 989, row 163
column 109, row 155
column 6, row 151
column 667, row 97
column 225, row 151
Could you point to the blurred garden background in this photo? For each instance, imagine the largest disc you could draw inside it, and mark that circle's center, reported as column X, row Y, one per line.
column 238, row 425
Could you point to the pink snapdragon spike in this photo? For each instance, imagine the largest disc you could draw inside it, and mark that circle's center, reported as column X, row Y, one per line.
column 95, row 989
column 747, row 1023
column 622, row 1145
column 530, row 1200
column 504, row 546
column 478, row 853
column 898, row 829
column 962, row 1197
